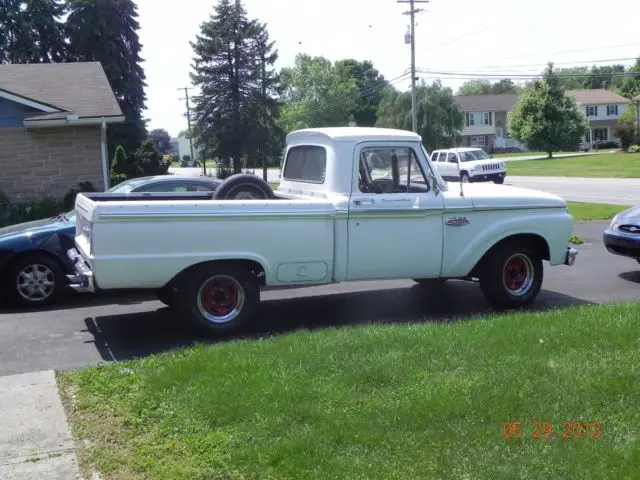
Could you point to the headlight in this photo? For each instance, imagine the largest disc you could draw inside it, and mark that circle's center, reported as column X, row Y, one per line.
column 614, row 222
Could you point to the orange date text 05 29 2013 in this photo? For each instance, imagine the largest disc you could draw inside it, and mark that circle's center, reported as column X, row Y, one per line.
column 543, row 430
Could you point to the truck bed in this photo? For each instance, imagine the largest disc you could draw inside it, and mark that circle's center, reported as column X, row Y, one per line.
column 292, row 240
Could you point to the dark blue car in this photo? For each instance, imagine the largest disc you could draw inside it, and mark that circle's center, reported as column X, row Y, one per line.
column 623, row 235
column 33, row 263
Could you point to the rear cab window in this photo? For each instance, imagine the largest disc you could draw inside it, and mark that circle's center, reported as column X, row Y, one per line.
column 305, row 163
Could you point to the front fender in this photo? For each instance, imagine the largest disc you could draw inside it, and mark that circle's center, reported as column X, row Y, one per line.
column 554, row 228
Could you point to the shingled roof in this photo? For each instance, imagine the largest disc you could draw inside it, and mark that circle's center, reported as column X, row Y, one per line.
column 477, row 103
column 596, row 95
column 76, row 91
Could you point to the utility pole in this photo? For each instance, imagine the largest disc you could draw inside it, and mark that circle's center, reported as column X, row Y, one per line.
column 412, row 30
column 186, row 99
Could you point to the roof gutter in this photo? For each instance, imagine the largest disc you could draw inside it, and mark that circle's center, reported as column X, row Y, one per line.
column 71, row 121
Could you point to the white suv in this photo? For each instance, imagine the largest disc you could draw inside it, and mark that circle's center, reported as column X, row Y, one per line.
column 468, row 165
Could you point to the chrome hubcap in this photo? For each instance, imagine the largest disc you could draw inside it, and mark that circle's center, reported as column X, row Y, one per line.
column 35, row 282
column 517, row 275
column 220, row 299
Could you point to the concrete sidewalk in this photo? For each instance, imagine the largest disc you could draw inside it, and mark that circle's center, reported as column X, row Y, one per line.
column 35, row 441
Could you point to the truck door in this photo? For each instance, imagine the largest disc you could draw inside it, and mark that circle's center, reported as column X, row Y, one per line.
column 395, row 219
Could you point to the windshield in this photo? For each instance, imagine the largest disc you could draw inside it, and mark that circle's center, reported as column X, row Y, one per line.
column 126, row 186
column 474, row 155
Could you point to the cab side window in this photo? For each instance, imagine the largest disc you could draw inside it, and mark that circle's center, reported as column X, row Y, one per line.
column 390, row 170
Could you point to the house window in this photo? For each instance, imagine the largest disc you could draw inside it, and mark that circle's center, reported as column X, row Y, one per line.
column 592, row 110
column 479, row 118
column 478, row 141
column 601, row 134
column 612, row 110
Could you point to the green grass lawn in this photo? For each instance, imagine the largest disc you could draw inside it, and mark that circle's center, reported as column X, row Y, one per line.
column 518, row 154
column 377, row 402
column 608, row 165
column 583, row 211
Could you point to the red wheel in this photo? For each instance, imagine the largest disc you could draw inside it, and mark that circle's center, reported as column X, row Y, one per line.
column 220, row 299
column 518, row 274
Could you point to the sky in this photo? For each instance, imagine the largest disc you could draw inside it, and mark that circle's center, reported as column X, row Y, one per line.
column 489, row 37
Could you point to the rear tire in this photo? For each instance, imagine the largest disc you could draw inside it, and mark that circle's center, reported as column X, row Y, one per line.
column 217, row 299
column 511, row 276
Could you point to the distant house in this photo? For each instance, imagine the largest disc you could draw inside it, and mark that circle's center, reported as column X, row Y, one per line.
column 603, row 109
column 486, row 120
column 184, row 148
column 486, row 117
column 53, row 120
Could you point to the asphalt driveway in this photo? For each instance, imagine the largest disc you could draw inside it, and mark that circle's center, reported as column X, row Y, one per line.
column 91, row 329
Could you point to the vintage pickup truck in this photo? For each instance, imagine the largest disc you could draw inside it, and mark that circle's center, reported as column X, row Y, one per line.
column 353, row 204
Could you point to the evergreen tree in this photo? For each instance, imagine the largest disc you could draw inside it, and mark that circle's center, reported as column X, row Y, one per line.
column 32, row 32
column 234, row 107
column 16, row 42
column 545, row 118
column 107, row 32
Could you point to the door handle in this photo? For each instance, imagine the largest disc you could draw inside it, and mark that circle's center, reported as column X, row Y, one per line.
column 363, row 201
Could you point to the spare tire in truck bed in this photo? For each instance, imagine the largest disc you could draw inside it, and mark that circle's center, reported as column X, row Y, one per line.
column 243, row 186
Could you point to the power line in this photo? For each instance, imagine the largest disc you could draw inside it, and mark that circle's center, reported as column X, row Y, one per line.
column 462, row 75
column 608, row 60
column 412, row 14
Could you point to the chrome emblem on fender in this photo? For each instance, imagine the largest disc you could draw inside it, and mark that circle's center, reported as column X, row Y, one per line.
column 457, row 221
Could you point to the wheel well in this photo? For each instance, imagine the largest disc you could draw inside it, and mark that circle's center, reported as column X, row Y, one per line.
column 251, row 265
column 30, row 253
column 538, row 243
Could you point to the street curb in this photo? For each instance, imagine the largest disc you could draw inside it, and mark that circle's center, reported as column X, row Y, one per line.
column 35, row 439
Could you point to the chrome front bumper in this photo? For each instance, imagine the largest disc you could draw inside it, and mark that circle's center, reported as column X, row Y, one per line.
column 82, row 280
column 570, row 256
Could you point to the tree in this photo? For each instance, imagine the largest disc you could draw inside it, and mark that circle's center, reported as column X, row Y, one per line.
column 107, row 32
column 630, row 84
column 485, row 87
column 440, row 121
column 547, row 119
column 370, row 84
column 230, row 53
column 148, row 161
column 315, row 94
column 32, row 32
column 161, row 139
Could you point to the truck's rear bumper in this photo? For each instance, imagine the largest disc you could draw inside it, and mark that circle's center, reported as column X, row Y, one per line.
column 82, row 280
column 570, row 256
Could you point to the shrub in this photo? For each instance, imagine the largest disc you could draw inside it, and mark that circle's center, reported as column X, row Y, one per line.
column 223, row 169
column 69, row 200
column 634, row 149
column 20, row 212
column 625, row 131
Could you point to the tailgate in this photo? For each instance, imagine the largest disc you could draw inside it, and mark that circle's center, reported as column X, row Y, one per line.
column 84, row 209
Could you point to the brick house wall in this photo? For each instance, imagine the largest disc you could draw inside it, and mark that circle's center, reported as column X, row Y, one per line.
column 49, row 161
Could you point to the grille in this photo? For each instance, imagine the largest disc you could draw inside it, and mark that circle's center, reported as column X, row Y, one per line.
column 633, row 229
column 490, row 167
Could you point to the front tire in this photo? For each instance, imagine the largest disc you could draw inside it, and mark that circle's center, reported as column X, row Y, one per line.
column 499, row 181
column 219, row 299
column 34, row 281
column 512, row 276
column 464, row 177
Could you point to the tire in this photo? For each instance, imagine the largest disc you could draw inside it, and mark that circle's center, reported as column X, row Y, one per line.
column 239, row 296
column 47, row 277
column 515, row 289
column 166, row 295
column 499, row 181
column 430, row 282
column 464, row 177
column 243, row 186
